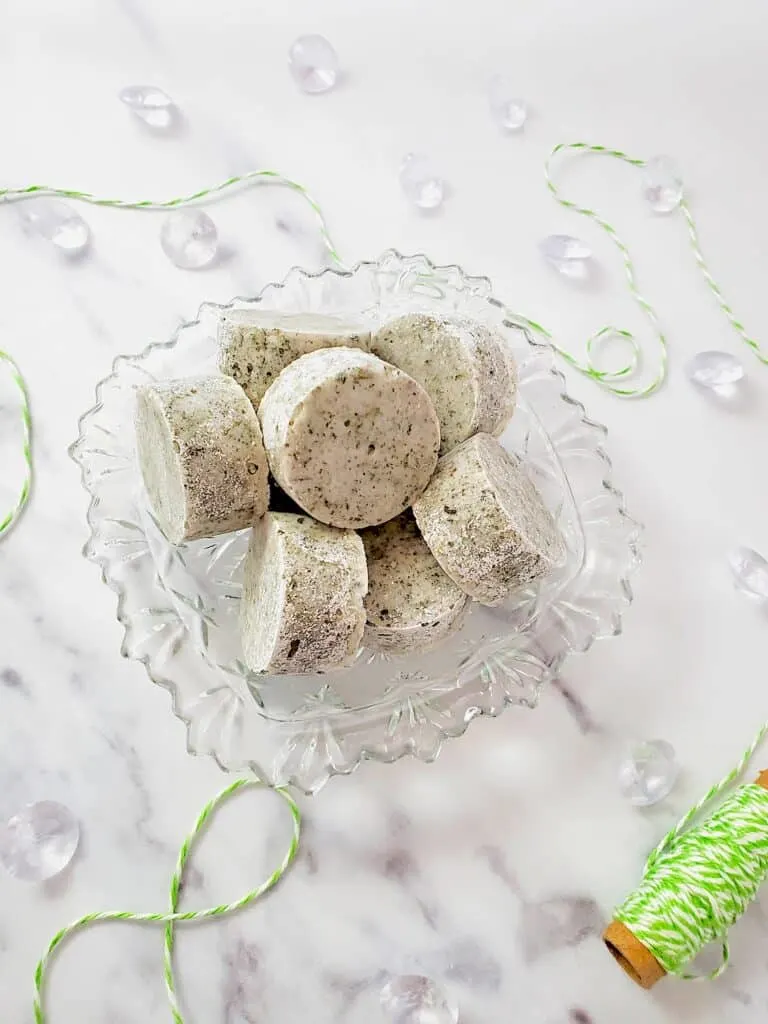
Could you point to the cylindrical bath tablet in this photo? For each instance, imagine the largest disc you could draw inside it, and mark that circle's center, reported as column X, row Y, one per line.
column 201, row 456
column 302, row 607
column 255, row 345
column 411, row 604
column 485, row 522
column 464, row 365
column 350, row 438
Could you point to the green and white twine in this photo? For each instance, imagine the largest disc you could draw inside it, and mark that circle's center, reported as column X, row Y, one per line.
column 250, row 177
column 10, row 518
column 616, row 380
column 612, row 380
column 173, row 916
column 699, row 880
column 7, row 519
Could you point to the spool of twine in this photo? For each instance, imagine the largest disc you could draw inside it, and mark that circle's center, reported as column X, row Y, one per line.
column 697, row 883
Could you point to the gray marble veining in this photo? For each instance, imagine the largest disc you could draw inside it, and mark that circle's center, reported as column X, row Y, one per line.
column 493, row 870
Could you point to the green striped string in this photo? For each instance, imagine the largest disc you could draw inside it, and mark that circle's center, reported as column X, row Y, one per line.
column 174, row 916
column 265, row 177
column 612, row 379
column 699, row 880
column 11, row 517
column 616, row 380
column 734, row 321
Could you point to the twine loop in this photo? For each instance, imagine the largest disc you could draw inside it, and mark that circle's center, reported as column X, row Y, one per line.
column 611, row 380
column 173, row 916
column 615, row 380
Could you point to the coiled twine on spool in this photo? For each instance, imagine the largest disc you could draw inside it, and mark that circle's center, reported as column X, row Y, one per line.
column 697, row 884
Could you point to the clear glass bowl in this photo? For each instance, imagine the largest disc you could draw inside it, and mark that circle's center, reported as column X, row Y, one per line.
column 179, row 605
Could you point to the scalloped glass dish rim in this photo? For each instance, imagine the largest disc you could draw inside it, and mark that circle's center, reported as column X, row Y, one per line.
column 518, row 323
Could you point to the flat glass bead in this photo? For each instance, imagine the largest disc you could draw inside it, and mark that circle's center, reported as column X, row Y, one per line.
column 189, row 239
column 508, row 109
column 414, row 999
column 150, row 104
column 420, row 183
column 39, row 842
column 58, row 223
column 568, row 255
column 750, row 571
column 648, row 773
column 715, row 370
column 662, row 184
column 314, row 64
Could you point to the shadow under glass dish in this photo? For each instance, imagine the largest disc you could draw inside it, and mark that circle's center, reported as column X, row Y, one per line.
column 180, row 605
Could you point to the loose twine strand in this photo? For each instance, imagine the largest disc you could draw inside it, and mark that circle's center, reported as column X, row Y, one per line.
column 12, row 516
column 700, row 880
column 610, row 379
column 174, row 916
column 697, row 882
column 266, row 177
column 613, row 380
column 739, row 813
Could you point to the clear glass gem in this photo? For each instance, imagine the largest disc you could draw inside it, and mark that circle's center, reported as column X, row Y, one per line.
column 715, row 370
column 39, row 842
column 662, row 184
column 568, row 255
column 149, row 104
column 421, row 184
column 414, row 999
column 509, row 111
column 648, row 773
column 314, row 63
column 58, row 223
column 189, row 239
column 750, row 571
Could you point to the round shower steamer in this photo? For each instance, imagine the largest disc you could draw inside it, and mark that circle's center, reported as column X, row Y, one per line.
column 464, row 365
column 303, row 588
column 352, row 439
column 485, row 522
column 201, row 456
column 255, row 345
column 411, row 603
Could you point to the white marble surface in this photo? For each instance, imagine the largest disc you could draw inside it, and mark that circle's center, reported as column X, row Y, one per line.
column 493, row 869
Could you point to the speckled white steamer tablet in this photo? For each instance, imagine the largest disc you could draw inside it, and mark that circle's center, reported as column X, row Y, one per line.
column 201, row 456
column 465, row 367
column 485, row 522
column 303, row 588
column 350, row 438
column 411, row 603
column 255, row 345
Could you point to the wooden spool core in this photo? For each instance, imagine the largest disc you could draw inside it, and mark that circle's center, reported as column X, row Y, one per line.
column 630, row 953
